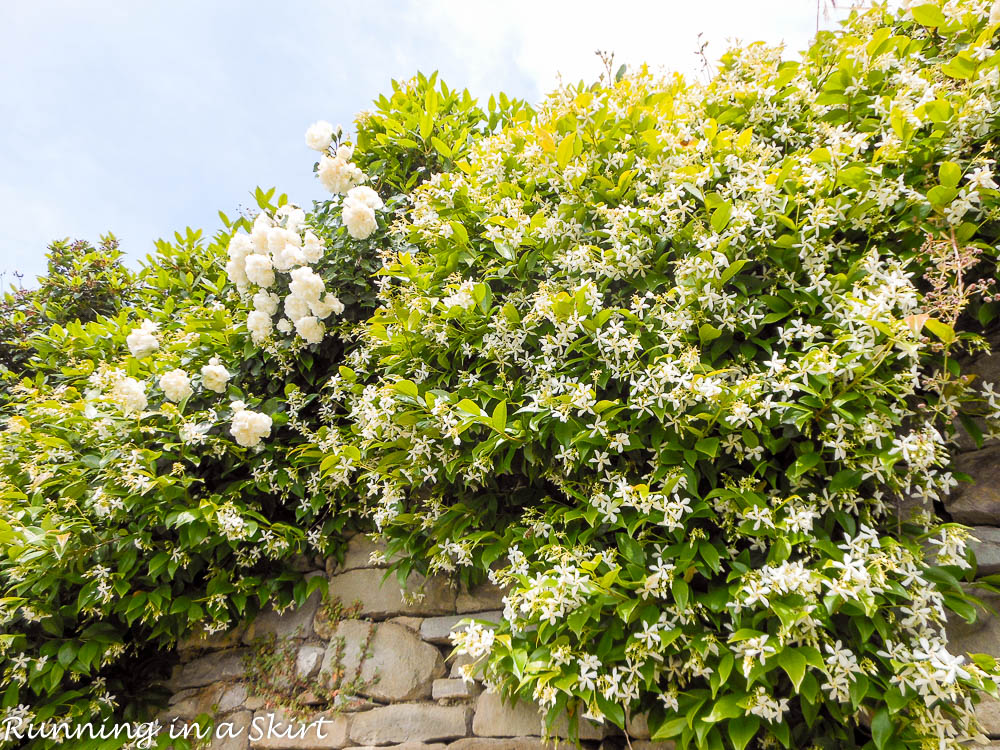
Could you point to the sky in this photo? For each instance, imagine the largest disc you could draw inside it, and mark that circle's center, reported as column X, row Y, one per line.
column 143, row 118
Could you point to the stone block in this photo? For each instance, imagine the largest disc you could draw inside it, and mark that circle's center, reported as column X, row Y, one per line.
column 188, row 704
column 460, row 660
column 404, row 746
column 399, row 666
column 221, row 665
column 438, row 629
column 447, row 689
column 986, row 549
column 483, row 598
column 637, row 726
column 199, row 640
column 308, row 660
column 234, row 696
column 273, row 730
column 413, row 623
column 509, row 743
column 410, row 722
column 232, row 732
column 383, row 599
column 494, row 718
column 292, row 623
column 978, row 502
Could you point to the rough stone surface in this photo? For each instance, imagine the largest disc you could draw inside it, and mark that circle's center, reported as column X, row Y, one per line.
column 308, row 660
column 294, row 623
column 405, row 746
column 382, row 599
column 637, row 726
column 202, row 641
column 223, row 665
column 236, row 736
column 451, row 690
column 359, row 554
column 482, row 598
column 509, row 743
column 413, row 623
column 304, row 735
column 188, row 704
column 410, row 722
column 497, row 719
column 234, row 696
column 988, row 712
column 986, row 549
column 439, row 629
column 459, row 661
column 399, row 666
column 977, row 502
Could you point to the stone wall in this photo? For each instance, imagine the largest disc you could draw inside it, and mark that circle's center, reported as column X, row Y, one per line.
column 977, row 504
column 411, row 695
column 409, row 691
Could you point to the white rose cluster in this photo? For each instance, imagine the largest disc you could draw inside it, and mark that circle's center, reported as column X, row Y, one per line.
column 279, row 251
column 130, row 395
column 319, row 136
column 338, row 173
column 142, row 341
column 176, row 385
column 249, row 427
column 214, row 376
column 360, row 206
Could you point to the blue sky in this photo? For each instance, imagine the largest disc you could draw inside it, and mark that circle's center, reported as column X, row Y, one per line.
column 143, row 118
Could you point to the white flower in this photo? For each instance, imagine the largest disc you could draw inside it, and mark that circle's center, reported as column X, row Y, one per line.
column 130, row 394
column 366, row 195
column 312, row 248
column 214, row 376
column 338, row 176
column 296, row 307
column 259, row 325
column 306, row 284
column 285, row 325
column 141, row 342
column 319, row 136
column 240, row 246
column 259, row 270
column 345, row 152
column 250, row 427
column 310, row 329
column 176, row 385
column 995, row 12
column 266, row 302
column 329, row 304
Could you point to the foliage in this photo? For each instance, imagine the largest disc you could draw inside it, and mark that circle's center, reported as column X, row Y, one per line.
column 82, row 283
column 658, row 357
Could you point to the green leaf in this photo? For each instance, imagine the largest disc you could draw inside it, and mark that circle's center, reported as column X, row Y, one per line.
column 742, row 729
column 949, row 173
column 793, row 662
column 469, row 407
column 928, row 15
column 881, row 728
column 942, row 330
column 708, row 446
column 721, row 216
column 726, row 707
column 500, row 416
column 707, row 332
column 564, row 152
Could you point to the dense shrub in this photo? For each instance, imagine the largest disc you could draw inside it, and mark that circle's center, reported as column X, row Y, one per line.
column 661, row 358
column 82, row 283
